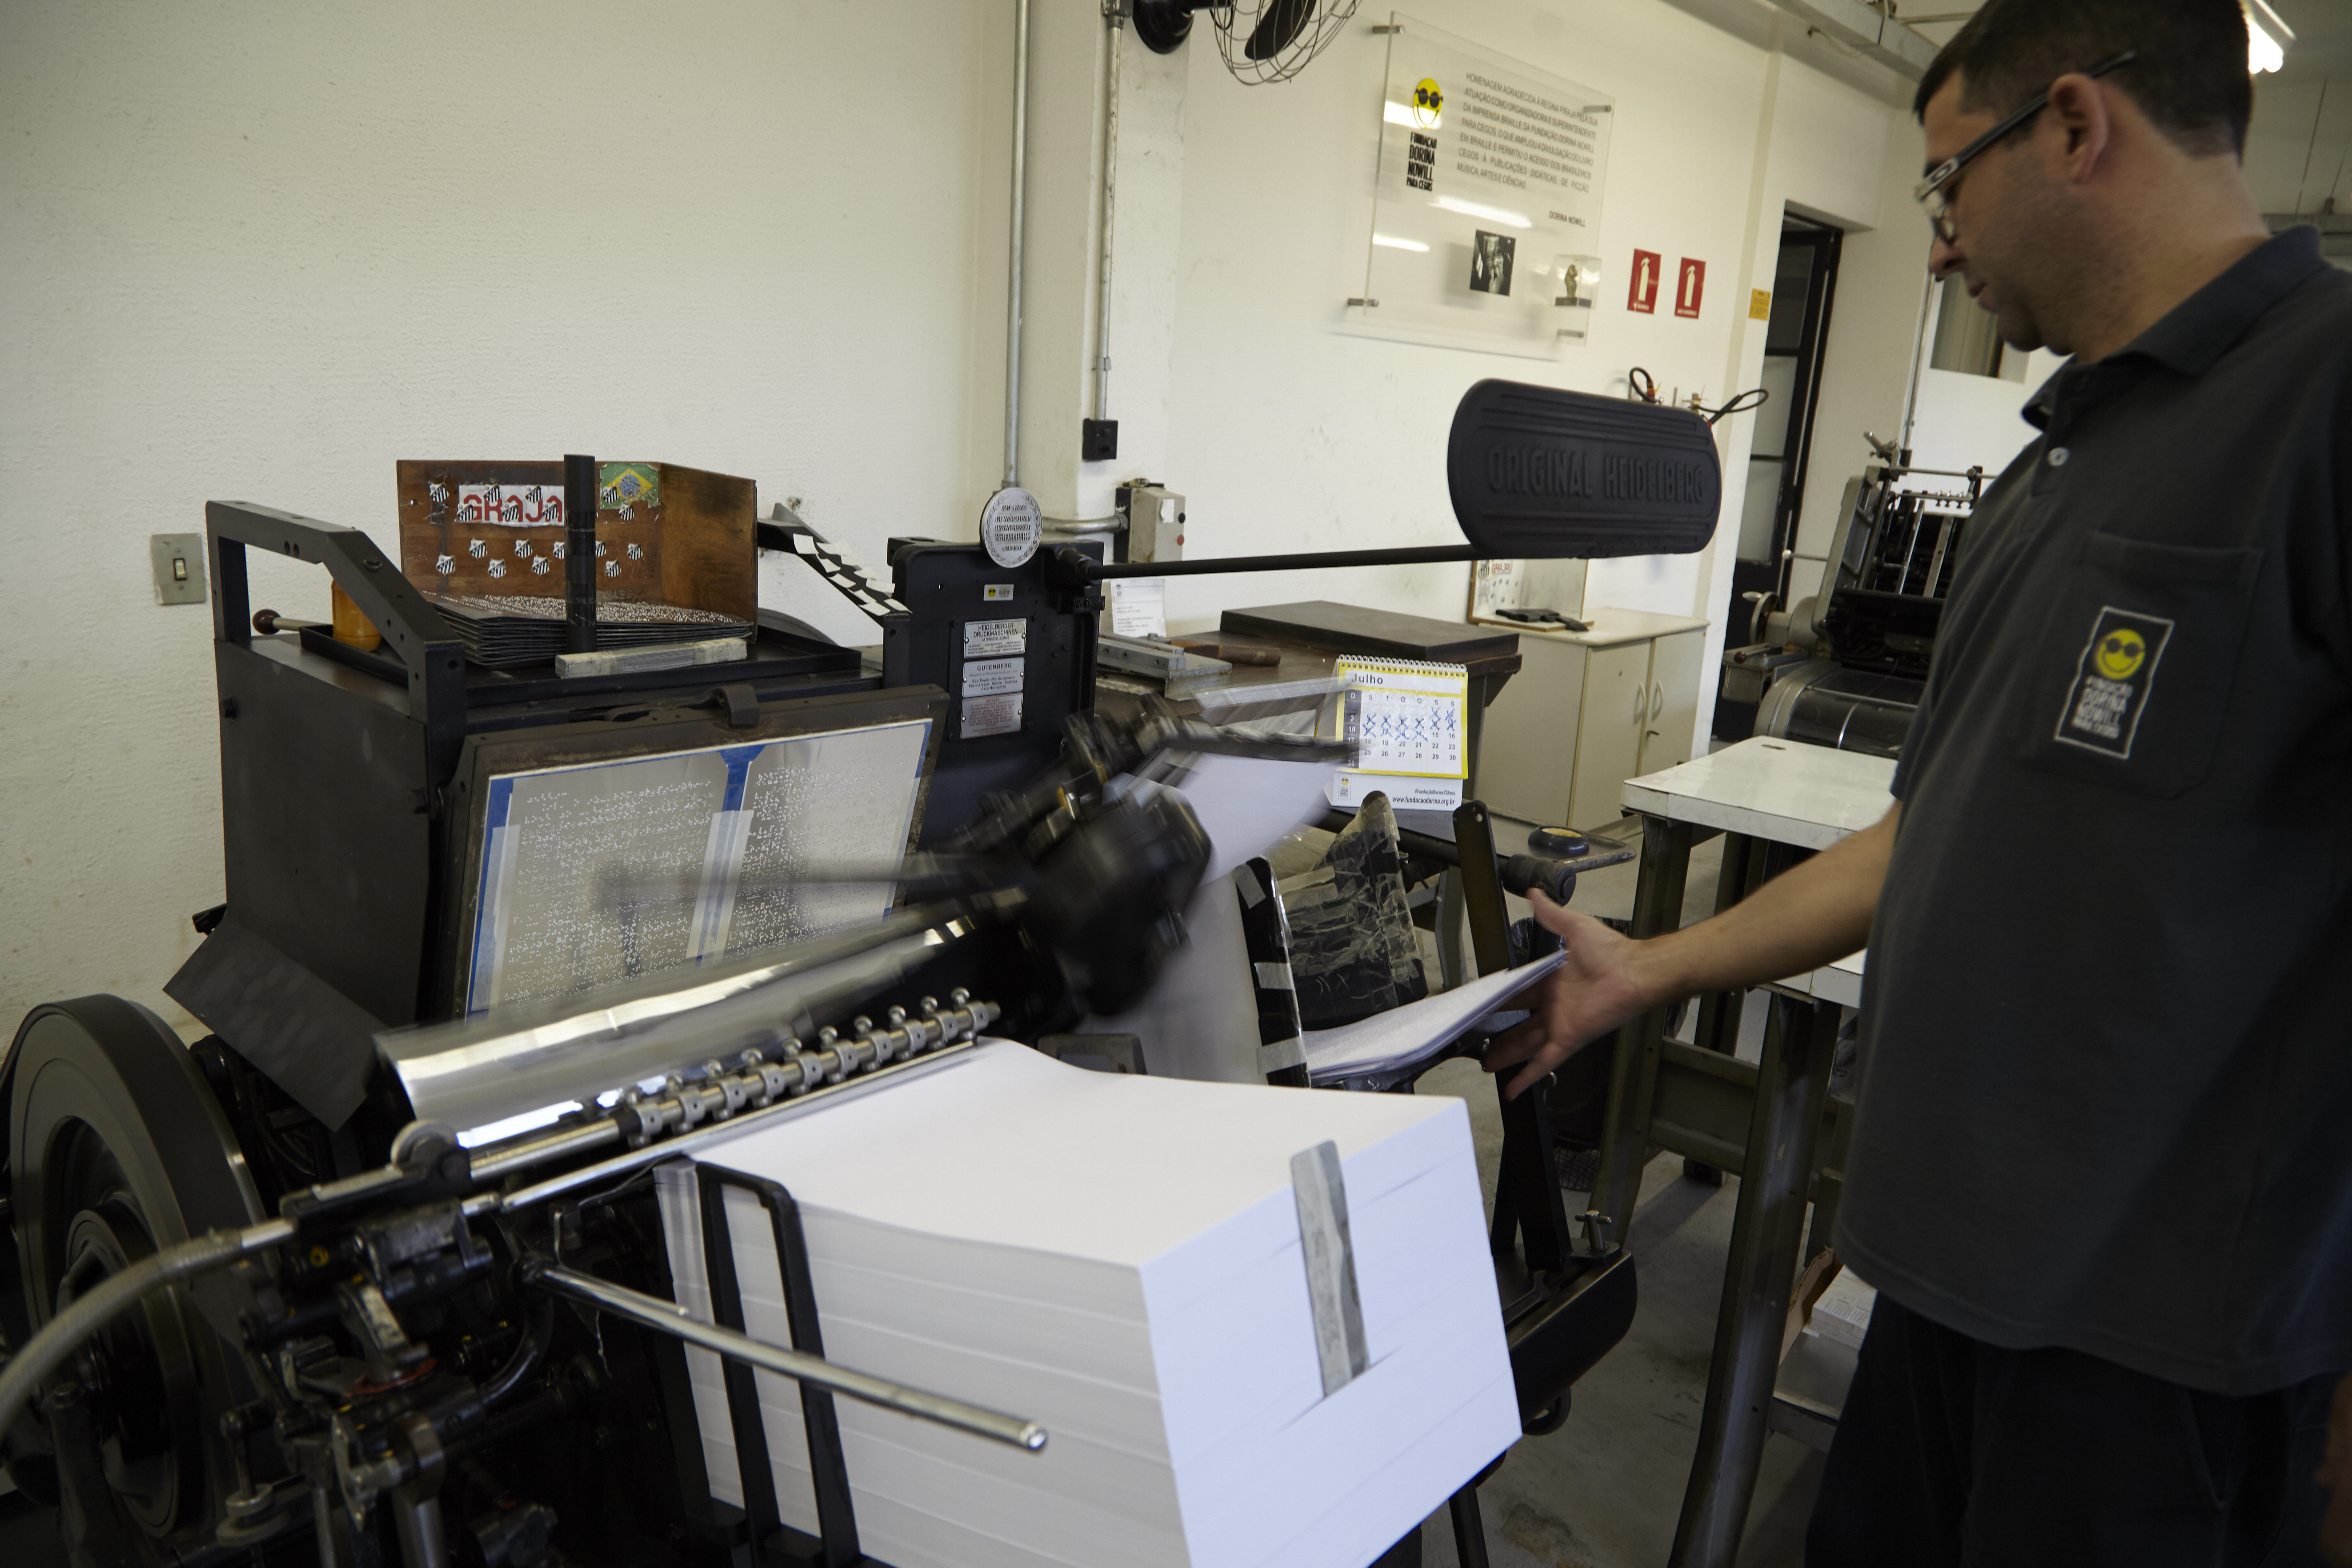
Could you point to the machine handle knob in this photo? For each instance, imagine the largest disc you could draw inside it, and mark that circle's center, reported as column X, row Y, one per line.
column 1556, row 877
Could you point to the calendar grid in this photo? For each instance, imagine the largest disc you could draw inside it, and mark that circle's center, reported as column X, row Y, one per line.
column 1408, row 717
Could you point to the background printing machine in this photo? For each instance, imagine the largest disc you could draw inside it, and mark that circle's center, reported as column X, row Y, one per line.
column 261, row 1304
column 1845, row 667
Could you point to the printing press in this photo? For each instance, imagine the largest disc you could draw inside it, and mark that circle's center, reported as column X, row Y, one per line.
column 377, row 1271
column 1845, row 667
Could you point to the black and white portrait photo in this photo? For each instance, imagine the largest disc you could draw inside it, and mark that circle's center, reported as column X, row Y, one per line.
column 1490, row 262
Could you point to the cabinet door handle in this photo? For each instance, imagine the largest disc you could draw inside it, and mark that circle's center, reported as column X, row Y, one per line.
column 1640, row 707
column 1657, row 697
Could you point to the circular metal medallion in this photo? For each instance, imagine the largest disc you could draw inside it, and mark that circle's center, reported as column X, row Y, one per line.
column 1011, row 524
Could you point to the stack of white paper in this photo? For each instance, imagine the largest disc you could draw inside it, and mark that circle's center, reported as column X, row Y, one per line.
column 1842, row 1314
column 1119, row 1258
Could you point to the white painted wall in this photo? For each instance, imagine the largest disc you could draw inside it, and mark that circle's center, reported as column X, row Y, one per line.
column 1966, row 420
column 262, row 249
column 1287, row 434
column 1822, row 150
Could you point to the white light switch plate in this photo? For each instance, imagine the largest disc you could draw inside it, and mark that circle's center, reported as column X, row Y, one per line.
column 179, row 561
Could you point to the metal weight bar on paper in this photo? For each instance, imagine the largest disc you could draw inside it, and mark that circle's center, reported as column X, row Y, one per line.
column 669, row 1318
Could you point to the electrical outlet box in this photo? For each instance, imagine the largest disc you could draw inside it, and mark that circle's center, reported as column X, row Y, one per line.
column 1097, row 440
column 1155, row 521
column 179, row 563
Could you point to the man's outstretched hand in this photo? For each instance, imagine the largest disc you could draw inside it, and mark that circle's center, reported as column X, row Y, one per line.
column 1591, row 991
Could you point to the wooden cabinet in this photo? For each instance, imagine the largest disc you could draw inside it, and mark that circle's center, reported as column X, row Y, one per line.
column 1589, row 710
column 1673, row 727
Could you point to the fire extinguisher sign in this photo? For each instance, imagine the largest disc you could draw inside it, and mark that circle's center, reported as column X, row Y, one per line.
column 1642, row 286
column 1689, row 288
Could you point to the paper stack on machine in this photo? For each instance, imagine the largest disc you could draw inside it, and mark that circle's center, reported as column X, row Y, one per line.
column 1125, row 1261
column 1407, row 1037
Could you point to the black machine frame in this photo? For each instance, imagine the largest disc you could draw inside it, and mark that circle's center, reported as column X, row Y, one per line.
column 350, row 798
column 354, row 792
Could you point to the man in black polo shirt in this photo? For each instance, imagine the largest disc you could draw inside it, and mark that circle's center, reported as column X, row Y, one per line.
column 2102, row 1169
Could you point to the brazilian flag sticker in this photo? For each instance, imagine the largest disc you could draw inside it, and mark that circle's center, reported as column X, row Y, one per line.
column 2111, row 681
column 628, row 488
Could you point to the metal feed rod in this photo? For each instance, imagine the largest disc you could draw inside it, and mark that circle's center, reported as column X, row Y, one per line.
column 1074, row 567
column 669, row 1318
column 64, row 1334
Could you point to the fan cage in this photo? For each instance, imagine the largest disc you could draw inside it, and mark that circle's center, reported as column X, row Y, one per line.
column 1237, row 24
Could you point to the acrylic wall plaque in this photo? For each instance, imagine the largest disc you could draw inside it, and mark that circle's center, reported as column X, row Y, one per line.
column 1487, row 213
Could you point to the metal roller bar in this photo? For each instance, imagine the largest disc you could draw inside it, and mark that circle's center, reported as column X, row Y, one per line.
column 473, row 1072
column 621, row 1164
column 720, row 1093
column 669, row 1318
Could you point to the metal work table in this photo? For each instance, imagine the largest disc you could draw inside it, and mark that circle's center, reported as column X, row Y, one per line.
column 1785, row 791
column 1775, row 802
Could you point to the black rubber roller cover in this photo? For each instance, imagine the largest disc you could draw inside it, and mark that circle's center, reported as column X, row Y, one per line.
column 1110, row 898
column 1539, row 473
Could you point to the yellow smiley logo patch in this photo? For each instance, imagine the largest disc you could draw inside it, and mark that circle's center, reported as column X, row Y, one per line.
column 1428, row 101
column 2115, row 680
column 2120, row 653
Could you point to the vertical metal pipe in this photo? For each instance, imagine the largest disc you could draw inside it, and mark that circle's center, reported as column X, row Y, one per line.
column 1469, row 1530
column 1020, row 178
column 418, row 1521
column 1918, row 358
column 1117, row 28
column 579, row 554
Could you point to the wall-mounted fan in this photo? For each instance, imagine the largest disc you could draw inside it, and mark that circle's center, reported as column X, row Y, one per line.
column 1261, row 40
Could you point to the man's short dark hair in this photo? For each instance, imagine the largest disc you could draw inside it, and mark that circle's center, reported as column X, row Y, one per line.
column 2190, row 79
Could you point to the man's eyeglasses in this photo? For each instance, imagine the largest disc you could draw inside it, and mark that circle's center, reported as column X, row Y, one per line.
column 1934, row 192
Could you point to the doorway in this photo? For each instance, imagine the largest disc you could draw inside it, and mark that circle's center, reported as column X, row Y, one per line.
column 1804, row 288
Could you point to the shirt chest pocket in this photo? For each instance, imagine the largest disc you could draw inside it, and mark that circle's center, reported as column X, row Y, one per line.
column 2131, row 676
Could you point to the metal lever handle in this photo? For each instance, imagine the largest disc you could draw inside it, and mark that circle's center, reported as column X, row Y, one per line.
column 1556, row 877
column 669, row 1318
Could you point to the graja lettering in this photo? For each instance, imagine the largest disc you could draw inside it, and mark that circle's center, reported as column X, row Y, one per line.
column 535, row 507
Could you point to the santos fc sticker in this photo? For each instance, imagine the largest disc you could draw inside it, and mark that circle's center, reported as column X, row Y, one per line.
column 2113, row 680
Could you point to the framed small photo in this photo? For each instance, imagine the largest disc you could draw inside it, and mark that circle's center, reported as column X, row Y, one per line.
column 1490, row 262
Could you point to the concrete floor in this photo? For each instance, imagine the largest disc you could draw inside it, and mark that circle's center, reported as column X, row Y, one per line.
column 1605, row 1490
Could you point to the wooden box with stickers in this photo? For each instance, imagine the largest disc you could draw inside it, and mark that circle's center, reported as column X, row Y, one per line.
column 675, row 557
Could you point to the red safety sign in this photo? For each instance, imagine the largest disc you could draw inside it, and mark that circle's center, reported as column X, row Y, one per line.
column 1642, row 294
column 1689, row 288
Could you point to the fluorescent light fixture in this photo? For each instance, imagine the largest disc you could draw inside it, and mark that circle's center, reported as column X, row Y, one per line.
column 1393, row 243
column 1402, row 115
column 1478, row 209
column 2267, row 39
